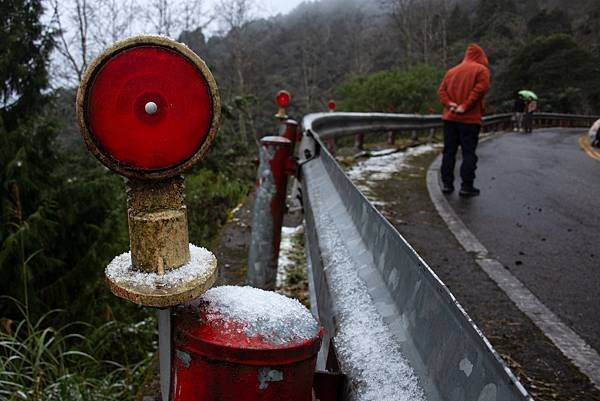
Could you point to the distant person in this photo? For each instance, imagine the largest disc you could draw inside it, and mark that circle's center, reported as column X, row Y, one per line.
column 530, row 108
column 518, row 110
column 461, row 93
column 594, row 134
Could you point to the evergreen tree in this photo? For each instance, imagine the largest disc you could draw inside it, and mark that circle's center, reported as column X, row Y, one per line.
column 25, row 45
column 61, row 215
column 564, row 75
column 459, row 24
column 549, row 22
column 26, row 150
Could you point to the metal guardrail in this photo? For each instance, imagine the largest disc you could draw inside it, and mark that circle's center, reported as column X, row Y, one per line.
column 348, row 237
column 342, row 124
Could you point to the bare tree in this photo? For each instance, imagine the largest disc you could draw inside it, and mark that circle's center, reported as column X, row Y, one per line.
column 160, row 17
column 168, row 17
column 193, row 15
column 402, row 13
column 114, row 20
column 84, row 27
column 422, row 25
column 73, row 44
column 233, row 15
column 356, row 35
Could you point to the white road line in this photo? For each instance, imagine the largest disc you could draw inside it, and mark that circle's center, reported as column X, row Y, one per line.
column 570, row 343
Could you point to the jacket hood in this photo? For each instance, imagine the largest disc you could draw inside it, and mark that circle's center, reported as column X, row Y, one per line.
column 476, row 54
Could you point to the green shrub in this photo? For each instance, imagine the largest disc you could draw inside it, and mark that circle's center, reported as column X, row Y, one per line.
column 209, row 198
column 411, row 90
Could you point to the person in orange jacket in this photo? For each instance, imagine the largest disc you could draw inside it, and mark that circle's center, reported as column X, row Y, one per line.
column 461, row 93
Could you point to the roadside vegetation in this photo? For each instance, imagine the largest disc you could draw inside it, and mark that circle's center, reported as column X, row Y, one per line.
column 63, row 335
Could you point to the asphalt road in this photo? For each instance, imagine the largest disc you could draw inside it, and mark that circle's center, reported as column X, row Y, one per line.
column 539, row 215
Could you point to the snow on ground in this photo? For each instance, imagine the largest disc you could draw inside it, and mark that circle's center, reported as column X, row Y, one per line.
column 382, row 167
column 285, row 250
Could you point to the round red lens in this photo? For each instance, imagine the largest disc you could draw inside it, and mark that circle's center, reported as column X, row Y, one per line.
column 331, row 105
column 283, row 98
column 149, row 108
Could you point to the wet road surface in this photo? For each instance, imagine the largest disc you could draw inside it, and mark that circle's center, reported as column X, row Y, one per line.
column 539, row 215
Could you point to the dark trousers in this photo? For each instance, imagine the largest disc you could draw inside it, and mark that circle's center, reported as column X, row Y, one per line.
column 466, row 136
column 528, row 122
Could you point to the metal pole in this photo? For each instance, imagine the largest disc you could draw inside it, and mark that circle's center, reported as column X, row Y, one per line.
column 290, row 131
column 391, row 139
column 431, row 134
column 330, row 143
column 269, row 207
column 359, row 141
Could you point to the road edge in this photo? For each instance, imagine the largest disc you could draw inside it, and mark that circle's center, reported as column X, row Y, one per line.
column 584, row 143
column 581, row 354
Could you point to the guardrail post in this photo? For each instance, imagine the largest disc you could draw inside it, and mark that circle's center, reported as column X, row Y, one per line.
column 290, row 131
column 391, row 138
column 359, row 141
column 274, row 167
column 431, row 134
column 330, row 144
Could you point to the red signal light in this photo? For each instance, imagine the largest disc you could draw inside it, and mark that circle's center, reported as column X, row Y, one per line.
column 331, row 105
column 149, row 108
column 283, row 98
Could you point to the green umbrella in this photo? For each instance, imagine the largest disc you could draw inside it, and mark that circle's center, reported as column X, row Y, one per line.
column 528, row 94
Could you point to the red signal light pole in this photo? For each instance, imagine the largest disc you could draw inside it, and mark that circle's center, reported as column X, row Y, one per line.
column 149, row 109
column 330, row 142
column 283, row 100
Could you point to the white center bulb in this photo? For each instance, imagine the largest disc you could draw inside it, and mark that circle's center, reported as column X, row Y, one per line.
column 151, row 108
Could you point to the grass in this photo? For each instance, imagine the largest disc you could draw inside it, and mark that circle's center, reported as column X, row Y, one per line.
column 295, row 284
column 74, row 361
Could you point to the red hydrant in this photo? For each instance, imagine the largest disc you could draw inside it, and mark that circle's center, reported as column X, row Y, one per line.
column 243, row 343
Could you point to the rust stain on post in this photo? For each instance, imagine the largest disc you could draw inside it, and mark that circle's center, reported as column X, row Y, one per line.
column 158, row 229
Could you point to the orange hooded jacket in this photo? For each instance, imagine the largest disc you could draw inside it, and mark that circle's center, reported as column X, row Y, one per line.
column 466, row 84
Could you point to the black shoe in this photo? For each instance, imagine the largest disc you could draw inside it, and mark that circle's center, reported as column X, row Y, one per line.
column 447, row 189
column 469, row 191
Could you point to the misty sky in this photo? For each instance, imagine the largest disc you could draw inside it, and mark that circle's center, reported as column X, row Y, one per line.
column 264, row 8
column 273, row 7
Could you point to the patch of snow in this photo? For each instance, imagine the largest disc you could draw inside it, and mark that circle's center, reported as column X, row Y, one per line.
column 381, row 168
column 201, row 264
column 382, row 152
column 275, row 317
column 238, row 207
column 286, row 248
column 366, row 347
